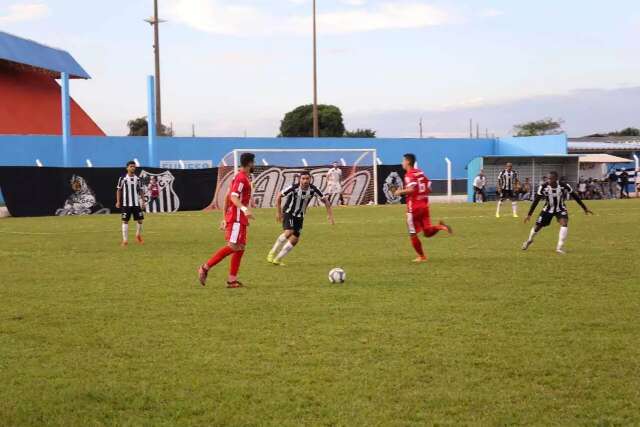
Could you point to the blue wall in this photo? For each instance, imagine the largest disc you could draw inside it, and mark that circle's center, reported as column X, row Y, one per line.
column 116, row 151
column 532, row 146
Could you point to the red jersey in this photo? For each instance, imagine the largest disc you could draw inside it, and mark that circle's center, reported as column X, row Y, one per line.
column 419, row 198
column 241, row 188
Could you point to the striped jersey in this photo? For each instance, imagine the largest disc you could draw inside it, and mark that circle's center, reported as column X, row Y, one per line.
column 507, row 180
column 131, row 190
column 555, row 197
column 298, row 199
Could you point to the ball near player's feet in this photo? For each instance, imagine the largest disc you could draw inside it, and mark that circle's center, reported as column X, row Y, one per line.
column 337, row 275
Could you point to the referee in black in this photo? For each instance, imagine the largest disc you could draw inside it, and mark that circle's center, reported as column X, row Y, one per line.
column 129, row 198
column 292, row 215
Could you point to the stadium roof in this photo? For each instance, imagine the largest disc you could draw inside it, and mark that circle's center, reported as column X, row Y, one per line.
column 603, row 158
column 27, row 52
column 609, row 143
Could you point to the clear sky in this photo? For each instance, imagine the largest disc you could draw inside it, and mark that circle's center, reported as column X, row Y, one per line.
column 235, row 65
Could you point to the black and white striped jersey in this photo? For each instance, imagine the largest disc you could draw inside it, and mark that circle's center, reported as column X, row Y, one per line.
column 507, row 180
column 298, row 199
column 555, row 197
column 131, row 188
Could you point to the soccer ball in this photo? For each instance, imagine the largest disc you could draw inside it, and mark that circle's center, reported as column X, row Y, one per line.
column 337, row 275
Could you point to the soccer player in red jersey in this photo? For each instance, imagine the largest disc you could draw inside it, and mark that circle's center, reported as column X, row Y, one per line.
column 416, row 189
column 237, row 216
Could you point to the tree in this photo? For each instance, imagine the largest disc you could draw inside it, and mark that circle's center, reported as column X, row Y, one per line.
column 360, row 133
column 624, row 132
column 299, row 122
column 140, row 127
column 541, row 127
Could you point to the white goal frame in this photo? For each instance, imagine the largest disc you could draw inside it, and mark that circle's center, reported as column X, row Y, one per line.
column 365, row 151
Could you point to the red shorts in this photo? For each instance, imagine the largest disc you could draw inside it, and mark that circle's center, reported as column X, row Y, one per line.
column 236, row 233
column 418, row 220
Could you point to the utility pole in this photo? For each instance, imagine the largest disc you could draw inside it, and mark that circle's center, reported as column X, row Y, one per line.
column 316, row 124
column 155, row 23
column 471, row 128
column 420, row 127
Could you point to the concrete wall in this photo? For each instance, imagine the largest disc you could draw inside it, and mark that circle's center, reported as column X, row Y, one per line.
column 116, row 151
column 532, row 146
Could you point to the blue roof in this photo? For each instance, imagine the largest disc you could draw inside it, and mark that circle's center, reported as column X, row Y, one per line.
column 24, row 51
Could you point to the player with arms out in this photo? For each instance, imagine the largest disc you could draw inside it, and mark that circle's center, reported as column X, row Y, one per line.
column 417, row 189
column 129, row 198
column 507, row 183
column 334, row 184
column 237, row 216
column 292, row 215
column 555, row 195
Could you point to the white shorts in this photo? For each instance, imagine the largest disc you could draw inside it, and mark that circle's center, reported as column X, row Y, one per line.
column 334, row 189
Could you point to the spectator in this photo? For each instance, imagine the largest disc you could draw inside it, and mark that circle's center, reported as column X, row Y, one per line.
column 525, row 190
column 624, row 183
column 154, row 194
column 613, row 179
column 582, row 189
column 479, row 185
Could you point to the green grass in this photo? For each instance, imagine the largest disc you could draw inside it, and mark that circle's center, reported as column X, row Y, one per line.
column 93, row 334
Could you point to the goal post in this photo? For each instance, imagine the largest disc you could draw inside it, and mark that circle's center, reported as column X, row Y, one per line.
column 277, row 168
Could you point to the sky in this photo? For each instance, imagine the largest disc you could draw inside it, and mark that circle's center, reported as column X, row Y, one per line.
column 234, row 67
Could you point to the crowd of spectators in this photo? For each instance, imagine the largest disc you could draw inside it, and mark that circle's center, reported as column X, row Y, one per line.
column 613, row 186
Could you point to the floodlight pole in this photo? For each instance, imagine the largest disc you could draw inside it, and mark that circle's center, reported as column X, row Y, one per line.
column 151, row 121
column 316, row 125
column 155, row 22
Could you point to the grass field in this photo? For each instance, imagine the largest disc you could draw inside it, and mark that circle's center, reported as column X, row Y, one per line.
column 483, row 334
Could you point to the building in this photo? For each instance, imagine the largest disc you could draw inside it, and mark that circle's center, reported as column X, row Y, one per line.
column 30, row 101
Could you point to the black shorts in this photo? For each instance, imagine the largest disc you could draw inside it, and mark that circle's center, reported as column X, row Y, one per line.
column 136, row 211
column 294, row 223
column 545, row 217
column 507, row 194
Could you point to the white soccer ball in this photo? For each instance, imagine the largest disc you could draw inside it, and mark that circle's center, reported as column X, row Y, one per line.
column 337, row 275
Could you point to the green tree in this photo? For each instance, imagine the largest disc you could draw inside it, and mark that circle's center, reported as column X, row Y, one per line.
column 140, row 127
column 541, row 127
column 624, row 132
column 360, row 133
column 299, row 122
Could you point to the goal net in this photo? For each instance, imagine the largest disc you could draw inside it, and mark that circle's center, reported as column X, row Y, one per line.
column 276, row 169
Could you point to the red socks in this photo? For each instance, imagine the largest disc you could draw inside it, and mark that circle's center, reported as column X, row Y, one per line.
column 219, row 256
column 417, row 245
column 433, row 230
column 235, row 264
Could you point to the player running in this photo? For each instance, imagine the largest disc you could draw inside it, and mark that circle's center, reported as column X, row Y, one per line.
column 417, row 189
column 129, row 198
column 507, row 183
column 334, row 184
column 237, row 216
column 556, row 194
column 292, row 215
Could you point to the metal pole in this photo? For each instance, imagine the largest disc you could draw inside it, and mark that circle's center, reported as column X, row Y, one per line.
column 151, row 119
column 471, row 128
column 316, row 125
column 66, row 118
column 375, row 177
column 156, row 48
column 449, row 180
